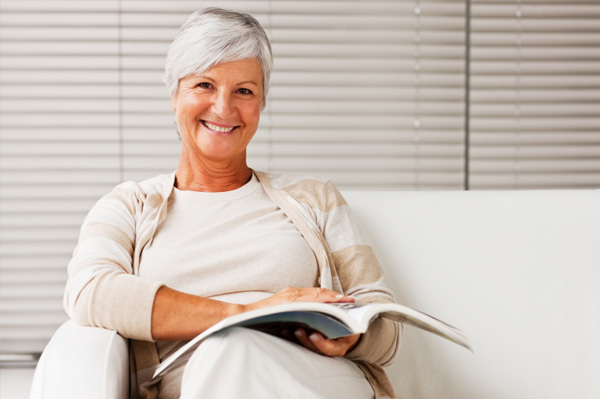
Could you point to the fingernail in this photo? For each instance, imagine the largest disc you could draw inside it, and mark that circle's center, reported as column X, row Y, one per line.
column 314, row 338
column 340, row 296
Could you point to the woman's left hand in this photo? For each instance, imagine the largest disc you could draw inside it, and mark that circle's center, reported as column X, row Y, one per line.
column 328, row 347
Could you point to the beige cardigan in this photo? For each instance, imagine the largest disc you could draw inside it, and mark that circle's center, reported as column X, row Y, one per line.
column 104, row 288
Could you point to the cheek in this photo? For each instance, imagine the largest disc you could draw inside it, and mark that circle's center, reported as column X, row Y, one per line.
column 190, row 105
column 251, row 114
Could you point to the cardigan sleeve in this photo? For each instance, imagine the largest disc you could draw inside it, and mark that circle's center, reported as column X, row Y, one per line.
column 360, row 276
column 102, row 290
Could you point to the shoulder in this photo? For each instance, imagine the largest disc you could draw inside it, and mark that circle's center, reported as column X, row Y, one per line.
column 315, row 191
column 284, row 181
column 152, row 191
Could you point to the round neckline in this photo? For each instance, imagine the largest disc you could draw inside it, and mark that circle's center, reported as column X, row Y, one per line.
column 241, row 192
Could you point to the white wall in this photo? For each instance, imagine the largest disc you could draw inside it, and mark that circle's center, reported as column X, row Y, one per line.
column 15, row 383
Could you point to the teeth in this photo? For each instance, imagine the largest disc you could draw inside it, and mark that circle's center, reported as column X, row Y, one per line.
column 218, row 128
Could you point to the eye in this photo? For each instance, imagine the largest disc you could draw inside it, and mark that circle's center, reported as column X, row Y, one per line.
column 204, row 85
column 244, row 91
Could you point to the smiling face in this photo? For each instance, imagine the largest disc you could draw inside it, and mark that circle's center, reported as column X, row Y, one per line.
column 218, row 111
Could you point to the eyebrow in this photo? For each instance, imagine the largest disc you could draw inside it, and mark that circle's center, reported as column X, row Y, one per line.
column 248, row 81
column 204, row 77
column 240, row 83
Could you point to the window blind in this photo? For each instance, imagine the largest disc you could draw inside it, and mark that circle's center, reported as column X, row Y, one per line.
column 370, row 94
column 535, row 94
column 59, row 151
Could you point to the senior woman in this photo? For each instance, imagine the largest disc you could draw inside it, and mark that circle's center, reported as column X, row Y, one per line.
column 162, row 260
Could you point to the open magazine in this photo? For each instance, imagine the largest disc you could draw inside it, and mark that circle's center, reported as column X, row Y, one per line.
column 332, row 320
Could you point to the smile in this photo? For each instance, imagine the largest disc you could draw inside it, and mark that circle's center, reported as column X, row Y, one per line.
column 218, row 129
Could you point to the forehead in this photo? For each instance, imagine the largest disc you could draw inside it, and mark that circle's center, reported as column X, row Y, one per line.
column 249, row 69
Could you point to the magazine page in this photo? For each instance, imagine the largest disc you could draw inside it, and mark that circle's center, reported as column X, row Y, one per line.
column 361, row 314
column 365, row 313
column 430, row 324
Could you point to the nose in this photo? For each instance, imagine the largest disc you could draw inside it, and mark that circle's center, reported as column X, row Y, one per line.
column 223, row 104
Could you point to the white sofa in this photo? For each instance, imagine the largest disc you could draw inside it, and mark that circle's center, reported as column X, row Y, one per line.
column 519, row 272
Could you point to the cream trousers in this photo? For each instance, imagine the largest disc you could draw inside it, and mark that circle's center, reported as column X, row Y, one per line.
column 242, row 363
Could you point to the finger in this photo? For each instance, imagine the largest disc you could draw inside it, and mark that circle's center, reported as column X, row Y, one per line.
column 333, row 347
column 287, row 335
column 340, row 298
column 304, row 340
column 327, row 347
column 324, row 295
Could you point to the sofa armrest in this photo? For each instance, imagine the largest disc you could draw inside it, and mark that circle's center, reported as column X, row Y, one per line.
column 82, row 362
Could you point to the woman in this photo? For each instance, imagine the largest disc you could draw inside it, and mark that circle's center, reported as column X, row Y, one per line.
column 163, row 260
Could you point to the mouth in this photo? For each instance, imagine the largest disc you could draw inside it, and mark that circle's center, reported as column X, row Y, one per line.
column 218, row 129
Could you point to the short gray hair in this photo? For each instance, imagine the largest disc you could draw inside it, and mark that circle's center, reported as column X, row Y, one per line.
column 211, row 36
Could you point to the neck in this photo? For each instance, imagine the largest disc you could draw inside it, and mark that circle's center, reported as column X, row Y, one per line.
column 211, row 177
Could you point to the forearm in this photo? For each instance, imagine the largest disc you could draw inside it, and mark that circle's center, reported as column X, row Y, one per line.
column 180, row 316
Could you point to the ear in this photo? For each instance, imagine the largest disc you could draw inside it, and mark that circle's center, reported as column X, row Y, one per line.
column 174, row 102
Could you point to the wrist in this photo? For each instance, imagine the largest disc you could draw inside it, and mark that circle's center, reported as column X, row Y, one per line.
column 234, row 308
column 354, row 344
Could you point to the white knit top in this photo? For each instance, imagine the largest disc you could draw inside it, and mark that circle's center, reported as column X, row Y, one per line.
column 229, row 244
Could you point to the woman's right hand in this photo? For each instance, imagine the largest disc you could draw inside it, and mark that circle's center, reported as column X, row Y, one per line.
column 305, row 294
column 311, row 340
